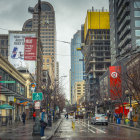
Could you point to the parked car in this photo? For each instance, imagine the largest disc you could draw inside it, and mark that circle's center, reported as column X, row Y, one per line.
column 99, row 118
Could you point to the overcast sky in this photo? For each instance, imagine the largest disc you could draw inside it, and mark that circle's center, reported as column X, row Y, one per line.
column 70, row 14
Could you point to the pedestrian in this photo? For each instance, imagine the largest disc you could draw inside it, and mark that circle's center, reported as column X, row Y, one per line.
column 10, row 119
column 43, row 123
column 34, row 115
column 120, row 115
column 23, row 117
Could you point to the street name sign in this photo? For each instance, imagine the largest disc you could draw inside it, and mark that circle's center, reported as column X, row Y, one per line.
column 37, row 96
column 7, row 82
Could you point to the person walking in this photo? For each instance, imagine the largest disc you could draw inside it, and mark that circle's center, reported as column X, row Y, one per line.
column 23, row 117
column 34, row 115
column 43, row 121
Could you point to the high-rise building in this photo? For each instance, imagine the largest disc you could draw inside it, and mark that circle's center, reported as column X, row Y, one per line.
column 57, row 72
column 124, row 27
column 47, row 35
column 79, row 91
column 76, row 64
column 4, row 45
column 96, row 49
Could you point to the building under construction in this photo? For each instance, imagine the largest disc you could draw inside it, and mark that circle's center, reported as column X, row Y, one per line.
column 96, row 50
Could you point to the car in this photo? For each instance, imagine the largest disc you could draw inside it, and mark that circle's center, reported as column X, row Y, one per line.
column 99, row 118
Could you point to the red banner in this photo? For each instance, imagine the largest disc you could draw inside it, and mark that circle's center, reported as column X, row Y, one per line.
column 30, row 49
column 115, row 82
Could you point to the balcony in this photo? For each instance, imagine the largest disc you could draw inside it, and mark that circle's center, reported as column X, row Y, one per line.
column 124, row 41
column 124, row 32
column 123, row 24
column 124, row 14
column 100, row 69
column 121, row 7
column 120, row 2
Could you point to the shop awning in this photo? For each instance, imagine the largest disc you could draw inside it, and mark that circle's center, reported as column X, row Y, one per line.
column 6, row 106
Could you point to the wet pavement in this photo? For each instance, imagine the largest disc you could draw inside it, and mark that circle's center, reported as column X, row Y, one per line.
column 85, row 131
column 18, row 132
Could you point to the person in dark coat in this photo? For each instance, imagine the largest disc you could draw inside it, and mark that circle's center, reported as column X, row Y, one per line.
column 23, row 117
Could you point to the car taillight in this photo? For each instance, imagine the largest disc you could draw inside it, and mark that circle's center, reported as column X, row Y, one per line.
column 106, row 118
column 97, row 118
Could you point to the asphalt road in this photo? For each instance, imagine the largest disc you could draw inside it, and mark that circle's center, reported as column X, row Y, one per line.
column 85, row 131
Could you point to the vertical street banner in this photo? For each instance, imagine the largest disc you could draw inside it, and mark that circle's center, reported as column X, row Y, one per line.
column 115, row 82
column 30, row 49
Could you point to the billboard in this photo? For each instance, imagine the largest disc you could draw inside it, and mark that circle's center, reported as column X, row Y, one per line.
column 115, row 82
column 16, row 50
column 30, row 48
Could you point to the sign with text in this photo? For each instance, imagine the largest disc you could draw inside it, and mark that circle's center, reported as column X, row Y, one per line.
column 30, row 48
column 37, row 96
column 37, row 105
column 16, row 50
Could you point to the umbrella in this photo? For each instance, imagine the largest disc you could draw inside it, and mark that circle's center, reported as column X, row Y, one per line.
column 6, row 106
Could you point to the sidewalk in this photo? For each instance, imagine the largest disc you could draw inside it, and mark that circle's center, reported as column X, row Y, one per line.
column 125, row 125
column 50, row 131
column 18, row 131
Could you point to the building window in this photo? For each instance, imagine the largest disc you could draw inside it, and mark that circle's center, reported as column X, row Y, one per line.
column 138, row 42
column 137, row 23
column 2, row 42
column 137, row 32
column 137, row 13
column 2, row 52
column 6, row 52
column 137, row 4
column 47, row 60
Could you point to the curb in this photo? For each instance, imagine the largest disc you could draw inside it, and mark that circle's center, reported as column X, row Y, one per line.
column 129, row 127
column 55, row 129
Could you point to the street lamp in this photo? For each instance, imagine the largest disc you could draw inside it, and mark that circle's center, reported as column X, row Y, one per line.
column 130, row 109
column 36, row 127
column 131, row 120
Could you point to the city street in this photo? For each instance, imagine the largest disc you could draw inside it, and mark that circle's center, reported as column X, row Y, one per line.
column 85, row 131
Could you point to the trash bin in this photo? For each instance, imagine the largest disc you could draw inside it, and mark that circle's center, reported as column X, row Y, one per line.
column 118, row 120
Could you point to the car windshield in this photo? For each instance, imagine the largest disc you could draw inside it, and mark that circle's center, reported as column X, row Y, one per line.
column 100, row 115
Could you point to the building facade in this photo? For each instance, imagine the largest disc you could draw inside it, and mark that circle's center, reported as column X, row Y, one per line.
column 76, row 65
column 79, row 91
column 96, row 49
column 57, row 72
column 47, row 35
column 124, row 27
column 4, row 45
column 17, row 93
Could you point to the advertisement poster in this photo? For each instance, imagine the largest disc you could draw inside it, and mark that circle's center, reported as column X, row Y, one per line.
column 16, row 50
column 115, row 82
column 30, row 49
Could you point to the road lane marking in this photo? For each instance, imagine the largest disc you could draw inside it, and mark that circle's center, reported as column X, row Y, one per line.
column 88, row 128
column 96, row 128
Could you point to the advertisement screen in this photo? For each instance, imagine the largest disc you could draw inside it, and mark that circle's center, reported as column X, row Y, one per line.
column 115, row 82
column 16, row 50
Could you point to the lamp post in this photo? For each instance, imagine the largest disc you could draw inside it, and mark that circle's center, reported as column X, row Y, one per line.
column 131, row 120
column 36, row 127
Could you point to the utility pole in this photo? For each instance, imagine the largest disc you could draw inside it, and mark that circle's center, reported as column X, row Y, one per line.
column 36, row 127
